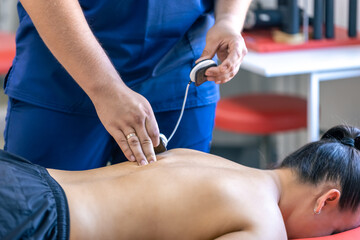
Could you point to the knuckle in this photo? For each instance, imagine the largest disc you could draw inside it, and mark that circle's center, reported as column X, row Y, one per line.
column 222, row 78
column 127, row 152
column 147, row 112
column 133, row 141
column 146, row 141
column 137, row 119
column 225, row 77
column 153, row 134
column 205, row 52
column 231, row 68
column 237, row 44
column 238, row 53
column 122, row 141
column 245, row 51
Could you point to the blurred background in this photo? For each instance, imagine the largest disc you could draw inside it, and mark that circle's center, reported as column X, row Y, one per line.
column 338, row 99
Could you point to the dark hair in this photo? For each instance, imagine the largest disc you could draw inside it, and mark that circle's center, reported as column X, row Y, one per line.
column 336, row 158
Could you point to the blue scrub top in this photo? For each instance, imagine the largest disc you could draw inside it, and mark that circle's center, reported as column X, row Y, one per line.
column 153, row 45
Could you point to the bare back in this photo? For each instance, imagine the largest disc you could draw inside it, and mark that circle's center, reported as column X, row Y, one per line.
column 185, row 195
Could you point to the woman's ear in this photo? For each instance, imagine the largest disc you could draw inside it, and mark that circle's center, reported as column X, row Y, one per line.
column 330, row 198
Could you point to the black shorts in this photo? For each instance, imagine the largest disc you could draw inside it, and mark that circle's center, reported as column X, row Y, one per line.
column 32, row 203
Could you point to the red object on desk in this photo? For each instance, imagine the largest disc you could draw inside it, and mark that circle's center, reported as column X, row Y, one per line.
column 7, row 51
column 261, row 41
column 353, row 234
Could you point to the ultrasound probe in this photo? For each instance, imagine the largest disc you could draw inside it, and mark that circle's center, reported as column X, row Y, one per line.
column 197, row 75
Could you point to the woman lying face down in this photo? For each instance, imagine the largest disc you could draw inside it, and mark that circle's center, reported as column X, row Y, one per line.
column 193, row 195
column 331, row 168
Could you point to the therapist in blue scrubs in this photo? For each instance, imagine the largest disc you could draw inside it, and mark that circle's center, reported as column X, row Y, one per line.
column 97, row 80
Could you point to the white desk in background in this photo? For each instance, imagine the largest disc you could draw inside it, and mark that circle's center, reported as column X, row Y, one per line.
column 320, row 65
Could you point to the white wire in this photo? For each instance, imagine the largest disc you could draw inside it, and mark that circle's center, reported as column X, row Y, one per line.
column 182, row 111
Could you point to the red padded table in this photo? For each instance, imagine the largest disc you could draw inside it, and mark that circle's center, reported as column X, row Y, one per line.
column 261, row 114
column 7, row 51
column 353, row 234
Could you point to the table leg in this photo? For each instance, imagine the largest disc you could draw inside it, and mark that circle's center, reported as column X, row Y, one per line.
column 313, row 107
column 313, row 99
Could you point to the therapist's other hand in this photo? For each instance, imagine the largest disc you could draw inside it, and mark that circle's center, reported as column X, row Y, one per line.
column 225, row 41
column 130, row 120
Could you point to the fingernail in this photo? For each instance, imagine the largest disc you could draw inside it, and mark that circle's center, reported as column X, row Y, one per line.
column 132, row 158
column 143, row 162
column 152, row 160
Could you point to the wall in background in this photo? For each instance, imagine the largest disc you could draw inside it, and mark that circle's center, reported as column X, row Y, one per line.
column 8, row 16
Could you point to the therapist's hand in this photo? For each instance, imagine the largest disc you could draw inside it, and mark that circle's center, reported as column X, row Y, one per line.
column 225, row 41
column 130, row 120
column 126, row 115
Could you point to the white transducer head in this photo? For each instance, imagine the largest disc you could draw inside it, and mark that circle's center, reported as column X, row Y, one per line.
column 197, row 74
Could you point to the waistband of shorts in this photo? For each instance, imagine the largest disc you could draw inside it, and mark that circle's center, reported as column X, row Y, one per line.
column 62, row 207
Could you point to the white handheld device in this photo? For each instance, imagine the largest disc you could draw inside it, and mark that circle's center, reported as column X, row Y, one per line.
column 197, row 75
